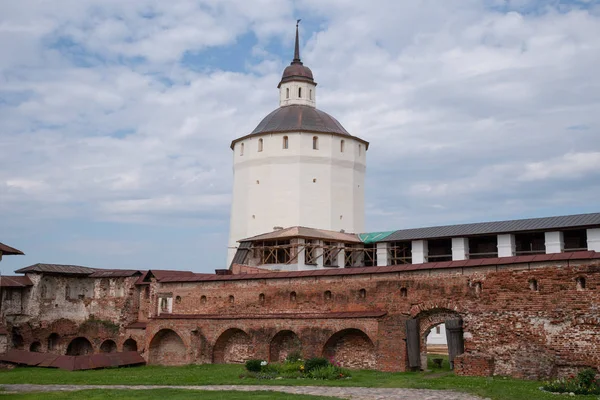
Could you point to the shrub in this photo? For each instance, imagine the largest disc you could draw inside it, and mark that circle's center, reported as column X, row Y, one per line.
column 329, row 372
column 313, row 363
column 294, row 356
column 289, row 367
column 584, row 383
column 254, row 365
column 587, row 377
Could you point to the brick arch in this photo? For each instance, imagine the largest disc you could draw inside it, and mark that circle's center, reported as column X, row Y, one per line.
column 351, row 348
column 428, row 319
column 167, row 348
column 233, row 346
column 429, row 306
column 36, row 347
column 130, row 345
column 282, row 344
column 53, row 342
column 80, row 346
column 108, row 346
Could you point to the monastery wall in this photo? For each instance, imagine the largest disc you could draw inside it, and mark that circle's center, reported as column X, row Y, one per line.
column 527, row 320
column 525, row 330
column 58, row 309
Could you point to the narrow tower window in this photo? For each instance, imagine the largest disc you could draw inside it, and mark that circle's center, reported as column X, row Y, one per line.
column 287, row 93
column 260, row 144
column 285, row 142
column 310, row 94
column 242, row 149
column 342, row 146
column 315, row 143
column 300, row 92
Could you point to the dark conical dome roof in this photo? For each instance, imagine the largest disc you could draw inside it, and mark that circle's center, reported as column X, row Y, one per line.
column 299, row 118
column 296, row 72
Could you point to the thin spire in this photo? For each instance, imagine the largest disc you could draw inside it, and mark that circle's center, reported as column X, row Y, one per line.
column 297, row 47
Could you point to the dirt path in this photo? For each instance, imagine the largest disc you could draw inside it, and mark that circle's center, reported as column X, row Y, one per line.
column 340, row 392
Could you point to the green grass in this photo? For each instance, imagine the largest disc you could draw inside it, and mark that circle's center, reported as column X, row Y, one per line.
column 496, row 388
column 445, row 363
column 160, row 394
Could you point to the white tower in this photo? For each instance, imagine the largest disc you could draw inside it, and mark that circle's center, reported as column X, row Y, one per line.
column 299, row 167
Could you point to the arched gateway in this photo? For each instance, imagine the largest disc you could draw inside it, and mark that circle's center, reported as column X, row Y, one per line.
column 418, row 328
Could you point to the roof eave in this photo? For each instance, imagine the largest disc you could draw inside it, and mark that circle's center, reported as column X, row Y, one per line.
column 343, row 135
column 296, row 78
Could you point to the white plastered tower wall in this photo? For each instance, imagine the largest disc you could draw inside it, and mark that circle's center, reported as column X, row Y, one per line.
column 317, row 185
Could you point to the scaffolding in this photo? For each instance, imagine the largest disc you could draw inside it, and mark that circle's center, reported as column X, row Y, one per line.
column 287, row 251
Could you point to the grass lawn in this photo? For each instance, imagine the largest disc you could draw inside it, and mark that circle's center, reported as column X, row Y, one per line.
column 496, row 388
column 160, row 394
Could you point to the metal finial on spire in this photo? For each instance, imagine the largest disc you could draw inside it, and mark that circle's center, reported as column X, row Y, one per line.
column 297, row 47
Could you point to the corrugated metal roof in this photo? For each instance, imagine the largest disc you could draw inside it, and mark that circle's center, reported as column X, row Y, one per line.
column 9, row 251
column 373, row 237
column 332, row 315
column 241, row 253
column 57, row 269
column 137, row 325
column 577, row 255
column 73, row 363
column 488, row 228
column 115, row 273
column 15, row 281
column 304, row 232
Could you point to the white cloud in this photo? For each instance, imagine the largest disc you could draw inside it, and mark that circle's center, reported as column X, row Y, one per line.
column 468, row 109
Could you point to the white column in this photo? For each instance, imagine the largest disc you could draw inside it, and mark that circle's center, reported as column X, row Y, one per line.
column 593, row 239
column 507, row 246
column 382, row 254
column 341, row 257
column 319, row 253
column 420, row 251
column 301, row 259
column 554, row 242
column 460, row 249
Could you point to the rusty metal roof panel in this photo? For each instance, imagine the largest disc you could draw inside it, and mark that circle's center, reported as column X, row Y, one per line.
column 49, row 360
column 488, row 228
column 127, row 358
column 304, row 232
column 9, row 251
column 22, row 357
column 72, row 363
column 57, row 269
column 15, row 281
column 137, row 325
column 115, row 273
column 64, row 362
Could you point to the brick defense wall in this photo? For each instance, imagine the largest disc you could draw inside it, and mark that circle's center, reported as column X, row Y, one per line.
column 474, row 365
column 527, row 320
column 527, row 330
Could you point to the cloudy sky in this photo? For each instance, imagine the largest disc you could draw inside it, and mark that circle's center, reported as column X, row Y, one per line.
column 116, row 116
